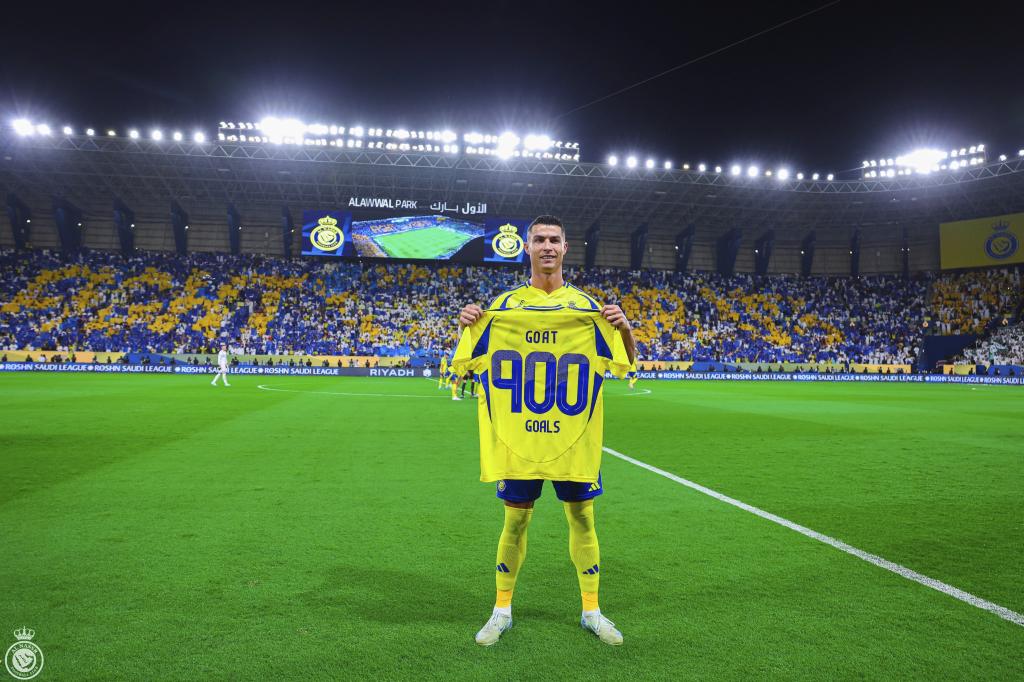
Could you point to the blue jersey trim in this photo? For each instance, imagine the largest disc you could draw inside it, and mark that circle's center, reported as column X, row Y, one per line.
column 598, row 380
column 507, row 295
column 484, row 341
column 590, row 300
column 601, row 346
column 487, row 391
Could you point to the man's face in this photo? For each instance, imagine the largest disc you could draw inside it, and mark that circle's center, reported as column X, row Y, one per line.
column 546, row 248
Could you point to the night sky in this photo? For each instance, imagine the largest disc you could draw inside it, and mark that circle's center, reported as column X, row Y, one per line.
column 855, row 80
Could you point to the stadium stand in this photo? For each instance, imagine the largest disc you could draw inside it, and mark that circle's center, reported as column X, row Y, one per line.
column 966, row 303
column 1003, row 351
column 162, row 303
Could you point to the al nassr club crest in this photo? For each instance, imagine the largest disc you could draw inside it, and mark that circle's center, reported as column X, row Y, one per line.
column 1002, row 243
column 327, row 236
column 507, row 243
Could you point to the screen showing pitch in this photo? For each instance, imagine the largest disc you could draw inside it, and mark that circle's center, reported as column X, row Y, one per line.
column 415, row 237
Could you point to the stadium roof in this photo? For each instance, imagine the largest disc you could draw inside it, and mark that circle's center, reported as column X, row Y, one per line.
column 93, row 170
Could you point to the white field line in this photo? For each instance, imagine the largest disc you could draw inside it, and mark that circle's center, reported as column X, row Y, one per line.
column 903, row 571
column 361, row 395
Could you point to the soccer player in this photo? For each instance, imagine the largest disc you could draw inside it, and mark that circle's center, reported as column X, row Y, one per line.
column 468, row 378
column 442, row 372
column 632, row 376
column 222, row 366
column 546, row 246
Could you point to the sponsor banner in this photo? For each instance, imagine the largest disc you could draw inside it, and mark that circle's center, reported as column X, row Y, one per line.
column 203, row 369
column 997, row 240
column 84, row 367
column 429, row 373
column 833, row 378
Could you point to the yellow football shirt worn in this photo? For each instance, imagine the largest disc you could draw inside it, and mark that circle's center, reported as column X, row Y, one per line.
column 541, row 360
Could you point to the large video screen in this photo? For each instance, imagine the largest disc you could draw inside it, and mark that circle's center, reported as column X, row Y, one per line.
column 327, row 233
column 413, row 237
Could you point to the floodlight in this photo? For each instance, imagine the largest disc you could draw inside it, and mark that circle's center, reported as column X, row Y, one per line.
column 43, row 129
column 752, row 171
column 134, row 134
column 631, row 162
column 718, row 169
column 735, row 170
column 68, row 130
column 90, row 132
column 702, row 168
column 198, row 137
column 177, row 136
column 156, row 135
column 111, row 133
column 814, row 176
column 783, row 174
column 799, row 176
column 649, row 163
column 921, row 158
column 668, row 165
column 830, row 177
column 981, row 147
column 539, row 142
column 23, row 127
column 613, row 160
column 1002, row 157
column 448, row 136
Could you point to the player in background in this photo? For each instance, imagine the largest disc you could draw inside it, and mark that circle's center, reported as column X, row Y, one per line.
column 468, row 378
column 222, row 366
column 546, row 246
column 632, row 376
column 442, row 372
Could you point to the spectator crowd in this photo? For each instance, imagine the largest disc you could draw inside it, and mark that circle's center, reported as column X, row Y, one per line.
column 165, row 303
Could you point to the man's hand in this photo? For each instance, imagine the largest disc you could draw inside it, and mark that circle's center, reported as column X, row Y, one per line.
column 470, row 314
column 615, row 317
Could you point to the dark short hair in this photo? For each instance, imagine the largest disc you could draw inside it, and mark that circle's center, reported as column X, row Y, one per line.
column 547, row 220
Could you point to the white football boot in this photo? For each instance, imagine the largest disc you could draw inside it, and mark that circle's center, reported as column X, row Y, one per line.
column 602, row 627
column 492, row 629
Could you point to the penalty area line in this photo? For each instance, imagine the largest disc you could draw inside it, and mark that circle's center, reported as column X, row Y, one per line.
column 361, row 395
column 903, row 571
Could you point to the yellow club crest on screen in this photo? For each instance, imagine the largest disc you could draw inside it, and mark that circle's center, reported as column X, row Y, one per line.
column 327, row 236
column 1002, row 243
column 507, row 243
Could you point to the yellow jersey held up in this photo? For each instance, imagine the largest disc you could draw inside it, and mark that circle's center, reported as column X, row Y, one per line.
column 541, row 369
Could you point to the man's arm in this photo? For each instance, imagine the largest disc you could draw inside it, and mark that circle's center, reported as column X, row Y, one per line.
column 617, row 319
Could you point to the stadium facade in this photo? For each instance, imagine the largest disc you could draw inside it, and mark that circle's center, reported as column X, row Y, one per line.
column 222, row 186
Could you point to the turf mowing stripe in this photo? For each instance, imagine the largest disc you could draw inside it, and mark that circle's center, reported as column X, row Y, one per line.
column 966, row 597
column 367, row 395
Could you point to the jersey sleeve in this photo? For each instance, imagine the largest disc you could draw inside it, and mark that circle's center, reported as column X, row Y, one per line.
column 611, row 348
column 469, row 356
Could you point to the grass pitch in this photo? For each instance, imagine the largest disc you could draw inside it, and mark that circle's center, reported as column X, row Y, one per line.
column 427, row 242
column 156, row 527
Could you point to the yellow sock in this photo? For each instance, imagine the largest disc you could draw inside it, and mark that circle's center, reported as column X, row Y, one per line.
column 584, row 550
column 511, row 553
